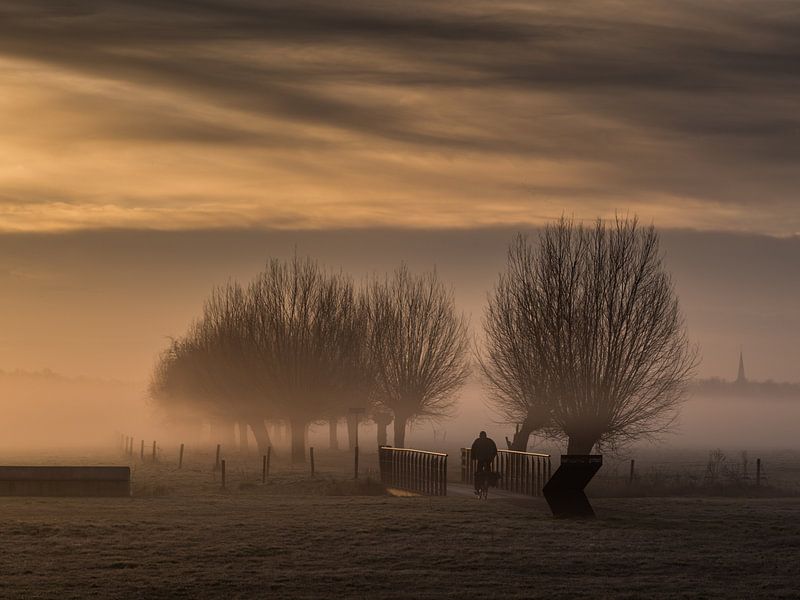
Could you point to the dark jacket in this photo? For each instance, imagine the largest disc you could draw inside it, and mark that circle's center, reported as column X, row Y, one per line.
column 484, row 449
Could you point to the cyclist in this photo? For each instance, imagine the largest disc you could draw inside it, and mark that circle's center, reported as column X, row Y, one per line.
column 484, row 451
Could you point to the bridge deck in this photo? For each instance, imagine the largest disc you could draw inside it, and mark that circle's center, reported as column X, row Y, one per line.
column 468, row 491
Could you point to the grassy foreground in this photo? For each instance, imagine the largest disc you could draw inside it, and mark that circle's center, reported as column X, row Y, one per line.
column 250, row 543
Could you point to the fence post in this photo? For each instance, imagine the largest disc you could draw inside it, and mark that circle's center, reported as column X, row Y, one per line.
column 216, row 461
column 269, row 458
column 222, row 466
column 154, row 451
column 758, row 472
column 180, row 458
column 141, row 452
column 311, row 453
column 355, row 463
column 630, row 477
column 264, row 469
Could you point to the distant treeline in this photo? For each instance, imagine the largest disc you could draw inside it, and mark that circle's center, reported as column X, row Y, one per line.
column 583, row 341
column 748, row 389
column 299, row 344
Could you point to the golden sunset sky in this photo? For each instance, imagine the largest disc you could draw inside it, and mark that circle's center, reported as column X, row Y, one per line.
column 211, row 113
column 151, row 149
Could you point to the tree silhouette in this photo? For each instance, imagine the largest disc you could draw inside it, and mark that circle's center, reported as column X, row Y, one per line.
column 307, row 337
column 224, row 332
column 511, row 361
column 418, row 346
column 603, row 322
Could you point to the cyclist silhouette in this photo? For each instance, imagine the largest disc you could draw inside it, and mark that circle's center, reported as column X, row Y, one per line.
column 484, row 451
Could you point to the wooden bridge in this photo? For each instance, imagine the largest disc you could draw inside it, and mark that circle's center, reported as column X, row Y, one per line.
column 425, row 473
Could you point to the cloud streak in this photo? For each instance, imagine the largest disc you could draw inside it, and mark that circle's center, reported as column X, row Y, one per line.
column 457, row 114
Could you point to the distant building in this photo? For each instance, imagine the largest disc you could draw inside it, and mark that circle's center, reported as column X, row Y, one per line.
column 741, row 387
column 741, row 378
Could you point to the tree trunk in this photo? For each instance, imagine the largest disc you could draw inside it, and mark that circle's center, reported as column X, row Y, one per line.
column 521, row 437
column 261, row 434
column 298, row 441
column 352, row 423
column 399, row 431
column 382, row 421
column 244, row 447
column 580, row 445
column 333, row 434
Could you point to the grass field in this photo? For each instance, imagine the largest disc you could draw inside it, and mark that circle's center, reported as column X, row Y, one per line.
column 181, row 536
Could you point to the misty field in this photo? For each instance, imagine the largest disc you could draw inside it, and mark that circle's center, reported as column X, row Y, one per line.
column 182, row 536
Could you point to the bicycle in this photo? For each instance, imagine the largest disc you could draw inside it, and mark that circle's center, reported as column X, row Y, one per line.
column 482, row 484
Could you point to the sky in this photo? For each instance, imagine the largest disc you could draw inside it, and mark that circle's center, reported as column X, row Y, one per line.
column 103, row 303
column 151, row 149
column 200, row 114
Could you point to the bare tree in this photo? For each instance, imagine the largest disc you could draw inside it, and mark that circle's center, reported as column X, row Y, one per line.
column 224, row 331
column 307, row 336
column 604, row 323
column 209, row 371
column 290, row 346
column 418, row 344
column 511, row 361
column 186, row 386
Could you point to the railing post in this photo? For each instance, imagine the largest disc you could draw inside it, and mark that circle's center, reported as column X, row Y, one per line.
column 539, row 475
column 444, row 476
column 424, row 473
column 437, row 480
column 413, row 470
column 434, row 489
column 517, row 472
column 528, row 488
column 435, row 466
column 416, row 472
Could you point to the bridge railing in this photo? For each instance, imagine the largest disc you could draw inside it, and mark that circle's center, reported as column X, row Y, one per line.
column 520, row 472
column 414, row 470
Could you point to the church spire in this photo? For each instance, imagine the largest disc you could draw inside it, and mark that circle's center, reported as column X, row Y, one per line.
column 741, row 378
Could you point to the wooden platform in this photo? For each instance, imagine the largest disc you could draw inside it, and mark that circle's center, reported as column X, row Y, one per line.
column 65, row 481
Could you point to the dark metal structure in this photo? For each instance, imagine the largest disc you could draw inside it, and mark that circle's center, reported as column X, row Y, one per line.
column 414, row 470
column 564, row 491
column 520, row 472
